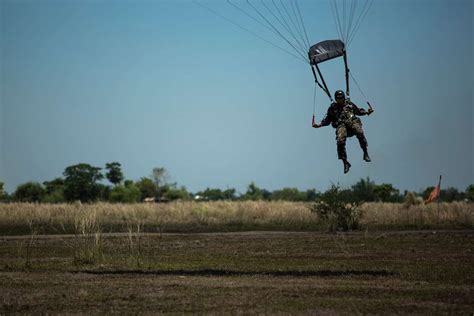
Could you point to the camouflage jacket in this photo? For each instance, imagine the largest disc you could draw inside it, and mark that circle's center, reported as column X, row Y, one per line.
column 339, row 114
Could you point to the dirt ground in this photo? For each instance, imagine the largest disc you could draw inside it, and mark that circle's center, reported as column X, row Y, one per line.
column 422, row 272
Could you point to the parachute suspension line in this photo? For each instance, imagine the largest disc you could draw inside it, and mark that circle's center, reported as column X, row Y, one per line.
column 300, row 40
column 288, row 27
column 314, row 98
column 324, row 88
column 297, row 41
column 290, row 17
column 347, row 20
column 338, row 21
column 249, row 15
column 358, row 87
column 300, row 29
column 365, row 11
column 351, row 15
column 316, row 79
column 275, row 29
column 344, row 19
column 258, row 21
column 361, row 92
column 286, row 24
column 302, row 23
column 300, row 58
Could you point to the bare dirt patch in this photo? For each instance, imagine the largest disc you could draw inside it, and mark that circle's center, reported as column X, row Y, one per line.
column 307, row 273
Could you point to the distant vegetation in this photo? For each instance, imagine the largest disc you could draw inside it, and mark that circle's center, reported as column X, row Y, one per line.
column 86, row 183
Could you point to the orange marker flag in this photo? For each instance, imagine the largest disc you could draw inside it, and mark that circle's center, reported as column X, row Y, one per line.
column 434, row 195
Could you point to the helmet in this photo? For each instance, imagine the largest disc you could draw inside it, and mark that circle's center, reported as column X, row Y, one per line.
column 339, row 94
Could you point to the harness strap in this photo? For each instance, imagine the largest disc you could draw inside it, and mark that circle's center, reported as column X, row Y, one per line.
column 346, row 74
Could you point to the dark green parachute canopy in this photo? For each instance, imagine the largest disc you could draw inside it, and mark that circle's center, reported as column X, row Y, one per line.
column 325, row 50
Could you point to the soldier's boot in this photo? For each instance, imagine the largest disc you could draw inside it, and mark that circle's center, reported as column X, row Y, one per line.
column 366, row 155
column 347, row 166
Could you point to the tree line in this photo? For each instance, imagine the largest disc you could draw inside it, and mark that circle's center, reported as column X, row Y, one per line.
column 86, row 183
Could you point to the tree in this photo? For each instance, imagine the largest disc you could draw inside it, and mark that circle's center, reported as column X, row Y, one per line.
column 311, row 195
column 127, row 193
column 53, row 185
column 175, row 193
column 211, row 194
column 2, row 192
column 54, row 191
column 29, row 192
column 159, row 176
column 253, row 193
column 266, row 195
column 288, row 194
column 426, row 192
column 470, row 193
column 229, row 194
column 451, row 194
column 104, row 192
column 80, row 183
column 114, row 172
column 364, row 190
column 385, row 192
column 147, row 188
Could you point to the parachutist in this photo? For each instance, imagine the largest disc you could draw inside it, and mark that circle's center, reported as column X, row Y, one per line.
column 342, row 115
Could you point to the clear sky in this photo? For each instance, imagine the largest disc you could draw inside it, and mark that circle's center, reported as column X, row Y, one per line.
column 167, row 83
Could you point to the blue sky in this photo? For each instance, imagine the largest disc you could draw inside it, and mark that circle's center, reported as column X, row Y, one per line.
column 167, row 83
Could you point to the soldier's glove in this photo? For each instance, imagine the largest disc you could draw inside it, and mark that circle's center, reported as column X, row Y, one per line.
column 369, row 111
column 315, row 125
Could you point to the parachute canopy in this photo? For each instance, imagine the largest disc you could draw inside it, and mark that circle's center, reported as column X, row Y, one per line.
column 325, row 50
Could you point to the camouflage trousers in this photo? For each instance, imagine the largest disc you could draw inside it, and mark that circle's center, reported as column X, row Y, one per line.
column 348, row 129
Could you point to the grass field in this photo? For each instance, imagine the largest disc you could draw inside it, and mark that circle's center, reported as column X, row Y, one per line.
column 241, row 273
column 254, row 257
column 22, row 218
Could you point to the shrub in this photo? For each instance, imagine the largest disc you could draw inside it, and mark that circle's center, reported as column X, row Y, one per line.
column 29, row 192
column 338, row 209
column 125, row 194
column 412, row 199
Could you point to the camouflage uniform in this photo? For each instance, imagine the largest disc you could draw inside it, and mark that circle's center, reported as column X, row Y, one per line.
column 343, row 118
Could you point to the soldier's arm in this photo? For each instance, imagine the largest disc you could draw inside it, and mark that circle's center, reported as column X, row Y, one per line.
column 326, row 120
column 358, row 111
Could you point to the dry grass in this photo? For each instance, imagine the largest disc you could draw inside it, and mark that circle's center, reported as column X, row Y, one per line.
column 236, row 215
column 446, row 215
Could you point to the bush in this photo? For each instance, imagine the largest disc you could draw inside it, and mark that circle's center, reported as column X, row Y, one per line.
column 174, row 193
column 288, row 194
column 54, row 191
column 29, row 192
column 412, row 199
column 470, row 193
column 3, row 195
column 56, row 196
column 125, row 194
column 147, row 188
column 338, row 209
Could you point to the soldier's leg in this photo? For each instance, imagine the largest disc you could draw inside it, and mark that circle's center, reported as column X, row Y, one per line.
column 359, row 132
column 341, row 136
